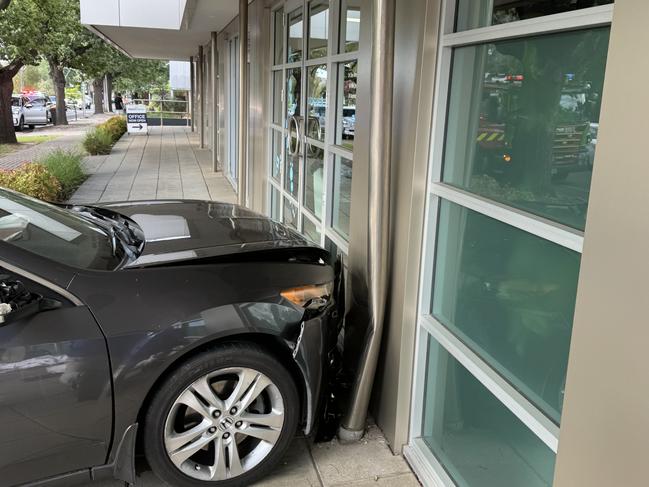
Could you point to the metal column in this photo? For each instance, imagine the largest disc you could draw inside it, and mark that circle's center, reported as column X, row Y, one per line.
column 353, row 424
column 214, row 74
column 192, row 91
column 201, row 96
column 243, row 102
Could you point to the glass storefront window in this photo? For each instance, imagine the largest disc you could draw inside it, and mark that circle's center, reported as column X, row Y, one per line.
column 292, row 169
column 295, row 30
column 342, row 195
column 318, row 28
column 510, row 296
column 293, row 92
column 276, row 164
column 290, row 214
column 279, row 36
column 477, row 439
column 274, row 203
column 346, row 112
column 311, row 230
column 277, row 97
column 350, row 25
column 472, row 14
column 523, row 119
column 317, row 102
column 314, row 180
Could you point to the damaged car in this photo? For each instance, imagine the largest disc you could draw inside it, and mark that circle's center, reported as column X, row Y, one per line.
column 197, row 333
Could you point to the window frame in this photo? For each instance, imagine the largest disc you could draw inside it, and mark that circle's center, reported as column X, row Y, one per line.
column 421, row 457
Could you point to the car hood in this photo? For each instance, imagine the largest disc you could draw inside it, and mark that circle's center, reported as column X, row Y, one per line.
column 178, row 230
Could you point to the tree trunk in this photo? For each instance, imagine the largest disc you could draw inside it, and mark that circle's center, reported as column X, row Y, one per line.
column 7, row 131
column 58, row 80
column 109, row 89
column 98, row 94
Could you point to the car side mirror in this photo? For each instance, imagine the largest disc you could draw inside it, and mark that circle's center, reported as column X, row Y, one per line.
column 38, row 305
column 29, row 105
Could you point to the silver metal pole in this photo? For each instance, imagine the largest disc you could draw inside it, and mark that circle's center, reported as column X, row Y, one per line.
column 215, row 102
column 201, row 96
column 243, row 101
column 192, row 91
column 353, row 424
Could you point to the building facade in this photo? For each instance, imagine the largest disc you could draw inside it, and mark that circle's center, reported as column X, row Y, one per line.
column 511, row 348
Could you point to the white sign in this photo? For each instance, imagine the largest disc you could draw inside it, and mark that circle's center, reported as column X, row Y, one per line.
column 136, row 119
column 179, row 75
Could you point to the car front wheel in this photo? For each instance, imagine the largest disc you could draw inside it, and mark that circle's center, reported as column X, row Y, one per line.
column 223, row 418
column 21, row 124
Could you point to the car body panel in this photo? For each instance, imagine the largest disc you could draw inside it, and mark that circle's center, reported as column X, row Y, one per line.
column 56, row 398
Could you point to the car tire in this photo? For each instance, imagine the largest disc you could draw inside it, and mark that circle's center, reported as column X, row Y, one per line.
column 223, row 444
column 31, row 126
column 21, row 124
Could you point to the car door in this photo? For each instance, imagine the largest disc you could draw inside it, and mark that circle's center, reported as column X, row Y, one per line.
column 40, row 115
column 55, row 388
column 28, row 111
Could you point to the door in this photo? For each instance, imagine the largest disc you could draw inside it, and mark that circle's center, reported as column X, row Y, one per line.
column 29, row 110
column 55, row 392
column 232, row 171
column 312, row 117
column 40, row 110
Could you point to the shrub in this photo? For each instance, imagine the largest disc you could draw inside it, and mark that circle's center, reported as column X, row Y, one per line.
column 65, row 165
column 98, row 141
column 115, row 126
column 33, row 179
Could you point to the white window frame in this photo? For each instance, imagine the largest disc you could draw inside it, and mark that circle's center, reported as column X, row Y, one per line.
column 424, row 462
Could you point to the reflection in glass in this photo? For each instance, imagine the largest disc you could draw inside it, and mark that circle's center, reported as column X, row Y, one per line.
column 478, row 440
column 290, row 214
column 277, row 97
column 293, row 92
column 511, row 297
column 346, row 114
column 292, row 169
column 277, row 155
column 528, row 135
column 295, row 30
column 350, row 23
column 472, row 14
column 279, row 36
column 314, row 180
column 342, row 195
column 317, row 102
column 318, row 28
column 310, row 230
column 274, row 203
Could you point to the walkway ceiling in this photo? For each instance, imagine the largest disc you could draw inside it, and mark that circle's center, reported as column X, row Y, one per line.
column 135, row 33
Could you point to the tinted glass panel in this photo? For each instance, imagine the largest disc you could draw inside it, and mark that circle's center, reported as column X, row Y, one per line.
column 275, row 200
column 279, row 36
column 350, row 23
column 311, row 230
column 314, row 179
column 342, row 195
column 523, row 119
column 478, row 440
column 318, row 28
column 277, row 97
column 481, row 13
column 276, row 163
column 295, row 30
column 511, row 297
column 317, row 102
column 346, row 112
column 290, row 214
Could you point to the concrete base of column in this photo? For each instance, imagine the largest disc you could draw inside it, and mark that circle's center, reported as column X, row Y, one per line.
column 349, row 436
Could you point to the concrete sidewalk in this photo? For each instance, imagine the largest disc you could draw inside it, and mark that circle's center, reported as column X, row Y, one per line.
column 166, row 164
column 67, row 137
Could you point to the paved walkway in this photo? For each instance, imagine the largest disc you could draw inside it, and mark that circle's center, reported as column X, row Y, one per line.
column 166, row 164
column 67, row 137
column 367, row 463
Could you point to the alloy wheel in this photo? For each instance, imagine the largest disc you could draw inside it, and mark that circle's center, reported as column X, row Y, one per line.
column 224, row 424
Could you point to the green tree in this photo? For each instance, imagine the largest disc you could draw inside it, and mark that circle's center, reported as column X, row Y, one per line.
column 20, row 36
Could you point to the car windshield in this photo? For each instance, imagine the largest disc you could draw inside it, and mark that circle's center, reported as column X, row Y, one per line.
column 15, row 102
column 55, row 233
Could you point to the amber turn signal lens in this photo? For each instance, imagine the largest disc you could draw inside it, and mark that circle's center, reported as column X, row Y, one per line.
column 305, row 295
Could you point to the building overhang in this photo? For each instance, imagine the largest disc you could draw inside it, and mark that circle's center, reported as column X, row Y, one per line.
column 158, row 29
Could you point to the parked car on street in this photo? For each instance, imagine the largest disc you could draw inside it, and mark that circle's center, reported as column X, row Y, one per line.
column 29, row 111
column 196, row 332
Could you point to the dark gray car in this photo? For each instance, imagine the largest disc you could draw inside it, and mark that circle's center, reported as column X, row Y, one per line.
column 196, row 332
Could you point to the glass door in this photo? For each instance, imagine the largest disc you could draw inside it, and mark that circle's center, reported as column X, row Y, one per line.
column 312, row 117
column 232, row 169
